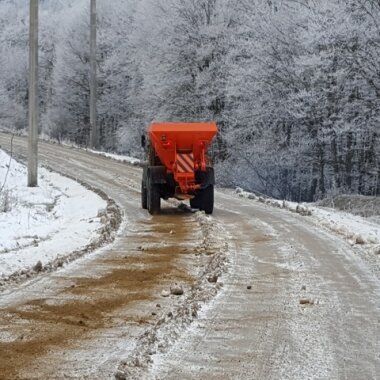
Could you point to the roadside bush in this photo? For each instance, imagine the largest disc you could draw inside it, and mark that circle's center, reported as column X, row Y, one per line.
column 6, row 201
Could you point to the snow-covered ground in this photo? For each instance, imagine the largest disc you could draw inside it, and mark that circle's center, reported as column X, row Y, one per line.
column 117, row 157
column 42, row 223
column 355, row 228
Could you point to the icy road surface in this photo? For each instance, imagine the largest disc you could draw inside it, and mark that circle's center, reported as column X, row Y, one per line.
column 297, row 302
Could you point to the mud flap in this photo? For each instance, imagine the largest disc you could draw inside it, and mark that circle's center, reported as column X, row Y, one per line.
column 205, row 179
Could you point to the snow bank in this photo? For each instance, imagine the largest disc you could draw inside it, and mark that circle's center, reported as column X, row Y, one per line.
column 117, row 157
column 357, row 229
column 290, row 206
column 39, row 225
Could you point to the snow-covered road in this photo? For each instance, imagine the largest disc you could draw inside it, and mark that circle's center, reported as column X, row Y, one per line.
column 297, row 301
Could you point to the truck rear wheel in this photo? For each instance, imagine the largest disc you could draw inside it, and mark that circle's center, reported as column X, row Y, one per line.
column 204, row 200
column 196, row 202
column 153, row 199
column 208, row 199
column 144, row 196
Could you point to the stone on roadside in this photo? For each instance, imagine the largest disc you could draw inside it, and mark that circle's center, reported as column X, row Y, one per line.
column 302, row 210
column 359, row 239
column 120, row 375
column 165, row 293
column 176, row 290
column 212, row 279
column 38, row 267
column 306, row 301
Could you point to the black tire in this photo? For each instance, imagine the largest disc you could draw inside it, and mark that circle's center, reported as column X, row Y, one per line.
column 153, row 199
column 208, row 199
column 196, row 201
column 144, row 196
column 204, row 200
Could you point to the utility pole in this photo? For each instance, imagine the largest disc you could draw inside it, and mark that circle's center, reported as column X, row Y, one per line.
column 94, row 134
column 33, row 95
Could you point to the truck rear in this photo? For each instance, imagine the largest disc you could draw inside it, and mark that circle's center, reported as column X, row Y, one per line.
column 178, row 165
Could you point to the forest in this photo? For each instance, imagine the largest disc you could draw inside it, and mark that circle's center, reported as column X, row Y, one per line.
column 294, row 85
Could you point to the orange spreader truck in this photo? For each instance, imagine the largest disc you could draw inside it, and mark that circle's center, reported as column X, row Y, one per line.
column 178, row 165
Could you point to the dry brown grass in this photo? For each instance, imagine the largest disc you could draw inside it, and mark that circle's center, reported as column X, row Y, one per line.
column 354, row 204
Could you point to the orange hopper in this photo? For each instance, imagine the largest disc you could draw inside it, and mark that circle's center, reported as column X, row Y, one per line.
column 182, row 148
column 178, row 165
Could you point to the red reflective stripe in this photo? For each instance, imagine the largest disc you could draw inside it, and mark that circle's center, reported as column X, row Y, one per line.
column 181, row 168
column 189, row 159
column 185, row 163
column 184, row 166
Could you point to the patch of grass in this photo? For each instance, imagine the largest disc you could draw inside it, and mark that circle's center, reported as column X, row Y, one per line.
column 354, row 204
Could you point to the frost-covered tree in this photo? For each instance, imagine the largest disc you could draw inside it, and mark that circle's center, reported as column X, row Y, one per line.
column 117, row 72
column 14, row 66
column 182, row 49
column 261, row 81
column 293, row 85
column 68, row 112
column 292, row 96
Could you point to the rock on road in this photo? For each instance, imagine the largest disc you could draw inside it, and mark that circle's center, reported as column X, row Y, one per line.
column 297, row 302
